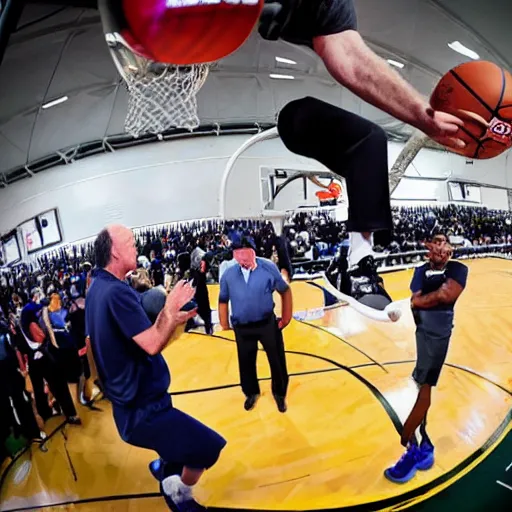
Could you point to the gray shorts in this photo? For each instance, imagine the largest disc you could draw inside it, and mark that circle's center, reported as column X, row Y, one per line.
column 433, row 332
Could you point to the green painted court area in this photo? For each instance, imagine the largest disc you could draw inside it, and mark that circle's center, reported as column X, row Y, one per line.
column 479, row 490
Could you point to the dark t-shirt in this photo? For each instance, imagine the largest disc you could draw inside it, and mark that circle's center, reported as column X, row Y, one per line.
column 6, row 351
column 114, row 316
column 311, row 18
column 427, row 280
column 158, row 271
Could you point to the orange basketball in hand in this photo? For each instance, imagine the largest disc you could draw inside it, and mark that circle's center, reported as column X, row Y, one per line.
column 189, row 32
column 480, row 93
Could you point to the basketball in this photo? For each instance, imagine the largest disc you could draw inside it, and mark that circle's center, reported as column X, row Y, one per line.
column 480, row 93
column 189, row 32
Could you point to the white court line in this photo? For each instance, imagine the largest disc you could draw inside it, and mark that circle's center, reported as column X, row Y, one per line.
column 510, row 466
column 504, row 485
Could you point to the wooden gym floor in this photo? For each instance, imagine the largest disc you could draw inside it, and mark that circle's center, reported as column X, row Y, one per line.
column 350, row 391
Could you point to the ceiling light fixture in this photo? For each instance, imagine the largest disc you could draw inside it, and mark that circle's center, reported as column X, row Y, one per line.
column 396, row 63
column 458, row 47
column 285, row 61
column 55, row 102
column 282, row 77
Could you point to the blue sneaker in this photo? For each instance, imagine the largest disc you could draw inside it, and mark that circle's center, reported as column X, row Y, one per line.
column 426, row 456
column 187, row 505
column 405, row 468
column 157, row 469
column 160, row 470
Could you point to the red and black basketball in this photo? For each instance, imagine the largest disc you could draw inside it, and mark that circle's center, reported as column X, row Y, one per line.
column 480, row 93
column 185, row 32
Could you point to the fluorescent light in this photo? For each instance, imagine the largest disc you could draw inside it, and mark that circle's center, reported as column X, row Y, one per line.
column 458, row 47
column 55, row 102
column 282, row 77
column 285, row 61
column 396, row 63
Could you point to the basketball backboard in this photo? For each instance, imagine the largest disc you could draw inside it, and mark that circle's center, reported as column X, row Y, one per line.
column 287, row 189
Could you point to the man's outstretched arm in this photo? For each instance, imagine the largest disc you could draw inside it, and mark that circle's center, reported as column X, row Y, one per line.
column 354, row 65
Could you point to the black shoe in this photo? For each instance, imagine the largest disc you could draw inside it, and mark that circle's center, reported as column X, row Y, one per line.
column 367, row 287
column 281, row 403
column 250, row 402
column 361, row 284
column 337, row 272
column 40, row 438
column 74, row 420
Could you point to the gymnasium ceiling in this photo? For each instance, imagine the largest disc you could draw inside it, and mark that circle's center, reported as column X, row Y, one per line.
column 58, row 50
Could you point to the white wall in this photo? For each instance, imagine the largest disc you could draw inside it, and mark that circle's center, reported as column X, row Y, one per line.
column 495, row 198
column 135, row 186
column 426, row 178
column 150, row 184
column 180, row 180
column 421, row 190
column 440, row 164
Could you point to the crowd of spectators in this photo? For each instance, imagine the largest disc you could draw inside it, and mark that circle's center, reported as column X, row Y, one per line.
column 309, row 236
column 59, row 279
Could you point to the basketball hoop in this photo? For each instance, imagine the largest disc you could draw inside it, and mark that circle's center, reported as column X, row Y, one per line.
column 160, row 96
column 164, row 51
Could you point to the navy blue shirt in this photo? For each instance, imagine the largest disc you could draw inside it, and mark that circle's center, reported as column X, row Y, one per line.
column 251, row 301
column 114, row 316
column 427, row 280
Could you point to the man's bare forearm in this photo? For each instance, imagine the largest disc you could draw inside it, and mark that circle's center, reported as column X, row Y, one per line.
column 165, row 325
column 224, row 315
column 371, row 78
column 287, row 305
column 377, row 83
column 156, row 338
column 430, row 300
column 448, row 293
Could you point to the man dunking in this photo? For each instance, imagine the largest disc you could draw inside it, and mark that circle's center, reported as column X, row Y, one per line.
column 435, row 288
column 347, row 144
column 127, row 349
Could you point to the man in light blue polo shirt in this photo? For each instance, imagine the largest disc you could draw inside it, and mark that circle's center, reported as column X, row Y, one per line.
column 249, row 286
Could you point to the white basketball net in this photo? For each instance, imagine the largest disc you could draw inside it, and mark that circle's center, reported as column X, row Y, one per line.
column 160, row 96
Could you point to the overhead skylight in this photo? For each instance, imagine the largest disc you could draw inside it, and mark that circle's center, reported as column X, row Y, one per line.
column 282, row 77
column 55, row 102
column 396, row 63
column 458, row 47
column 285, row 61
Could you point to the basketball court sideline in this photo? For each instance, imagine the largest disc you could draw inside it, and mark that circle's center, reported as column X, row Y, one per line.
column 350, row 391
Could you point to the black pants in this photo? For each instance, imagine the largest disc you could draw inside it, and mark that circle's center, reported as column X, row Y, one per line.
column 348, row 145
column 47, row 369
column 12, row 387
column 179, row 439
column 202, row 299
column 271, row 337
